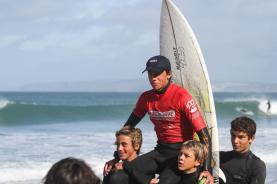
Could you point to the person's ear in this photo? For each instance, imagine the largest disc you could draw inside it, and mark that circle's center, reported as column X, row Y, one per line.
column 196, row 164
column 136, row 147
column 169, row 74
column 251, row 139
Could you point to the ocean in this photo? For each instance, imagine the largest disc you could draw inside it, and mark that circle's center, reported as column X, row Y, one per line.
column 38, row 129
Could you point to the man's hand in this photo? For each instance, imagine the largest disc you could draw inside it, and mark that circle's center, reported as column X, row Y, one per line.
column 207, row 174
column 155, row 180
column 108, row 166
column 118, row 166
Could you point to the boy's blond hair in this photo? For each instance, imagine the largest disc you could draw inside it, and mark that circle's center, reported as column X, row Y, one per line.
column 135, row 135
column 200, row 151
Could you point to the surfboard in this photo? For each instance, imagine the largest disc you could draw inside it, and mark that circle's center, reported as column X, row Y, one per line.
column 179, row 44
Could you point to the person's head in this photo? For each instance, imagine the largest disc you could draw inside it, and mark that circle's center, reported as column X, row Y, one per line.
column 192, row 155
column 71, row 171
column 128, row 142
column 242, row 132
column 159, row 71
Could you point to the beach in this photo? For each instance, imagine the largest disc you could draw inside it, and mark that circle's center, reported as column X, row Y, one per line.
column 39, row 129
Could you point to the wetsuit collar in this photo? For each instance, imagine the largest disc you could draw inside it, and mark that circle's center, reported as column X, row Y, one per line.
column 242, row 155
column 163, row 90
column 190, row 178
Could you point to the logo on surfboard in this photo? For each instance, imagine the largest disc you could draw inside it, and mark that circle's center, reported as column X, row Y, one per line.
column 179, row 54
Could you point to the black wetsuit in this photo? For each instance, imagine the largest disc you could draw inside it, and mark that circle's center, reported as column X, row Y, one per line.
column 117, row 177
column 189, row 178
column 154, row 162
column 175, row 176
column 242, row 168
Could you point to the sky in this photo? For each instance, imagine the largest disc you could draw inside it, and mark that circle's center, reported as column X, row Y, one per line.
column 45, row 41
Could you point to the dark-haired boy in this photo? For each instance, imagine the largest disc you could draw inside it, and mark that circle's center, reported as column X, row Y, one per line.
column 240, row 165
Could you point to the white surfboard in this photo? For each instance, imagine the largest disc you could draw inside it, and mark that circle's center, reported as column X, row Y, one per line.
column 178, row 43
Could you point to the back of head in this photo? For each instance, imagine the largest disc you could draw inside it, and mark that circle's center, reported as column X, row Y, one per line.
column 244, row 124
column 200, row 151
column 71, row 171
column 134, row 133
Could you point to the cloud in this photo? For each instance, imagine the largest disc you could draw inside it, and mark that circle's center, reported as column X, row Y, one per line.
column 123, row 34
column 9, row 40
column 71, row 24
column 64, row 40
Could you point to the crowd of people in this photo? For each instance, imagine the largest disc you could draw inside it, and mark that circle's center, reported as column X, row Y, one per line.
column 177, row 157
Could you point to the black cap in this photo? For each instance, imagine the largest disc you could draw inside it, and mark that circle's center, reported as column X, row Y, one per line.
column 157, row 64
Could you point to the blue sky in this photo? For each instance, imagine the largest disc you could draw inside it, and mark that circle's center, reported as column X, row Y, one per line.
column 44, row 41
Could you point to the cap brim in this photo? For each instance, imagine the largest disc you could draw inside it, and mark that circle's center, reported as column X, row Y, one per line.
column 154, row 70
column 144, row 70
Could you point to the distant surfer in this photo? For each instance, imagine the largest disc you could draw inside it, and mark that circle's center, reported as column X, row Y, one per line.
column 268, row 106
column 241, row 165
column 175, row 116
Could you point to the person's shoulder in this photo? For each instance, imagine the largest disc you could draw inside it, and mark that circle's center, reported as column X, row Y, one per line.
column 223, row 153
column 256, row 160
column 254, row 157
column 177, row 87
column 147, row 93
column 178, row 90
column 225, row 156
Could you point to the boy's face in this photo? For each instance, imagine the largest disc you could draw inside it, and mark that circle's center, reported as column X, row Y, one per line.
column 186, row 161
column 125, row 149
column 241, row 142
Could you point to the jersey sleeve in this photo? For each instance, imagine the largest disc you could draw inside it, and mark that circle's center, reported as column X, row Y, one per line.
column 140, row 107
column 192, row 112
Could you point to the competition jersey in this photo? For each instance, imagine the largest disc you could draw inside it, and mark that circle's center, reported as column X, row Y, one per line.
column 242, row 169
column 174, row 114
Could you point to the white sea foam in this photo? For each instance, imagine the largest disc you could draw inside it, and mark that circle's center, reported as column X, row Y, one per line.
column 4, row 103
column 245, row 99
column 28, row 152
column 23, row 173
column 244, row 111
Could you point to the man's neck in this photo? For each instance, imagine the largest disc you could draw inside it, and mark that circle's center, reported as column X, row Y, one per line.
column 163, row 89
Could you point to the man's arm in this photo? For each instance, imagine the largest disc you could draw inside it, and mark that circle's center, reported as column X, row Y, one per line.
column 133, row 120
column 193, row 114
column 205, row 139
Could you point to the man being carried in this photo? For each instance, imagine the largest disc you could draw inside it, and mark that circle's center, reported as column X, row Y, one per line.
column 176, row 117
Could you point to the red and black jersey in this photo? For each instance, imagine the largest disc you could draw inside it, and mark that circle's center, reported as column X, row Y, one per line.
column 174, row 114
